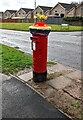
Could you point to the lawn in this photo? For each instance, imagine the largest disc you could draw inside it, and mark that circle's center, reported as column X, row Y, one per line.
column 13, row 60
column 25, row 27
column 15, row 26
column 65, row 28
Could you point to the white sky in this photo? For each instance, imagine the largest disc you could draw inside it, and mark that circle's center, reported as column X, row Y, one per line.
column 17, row 4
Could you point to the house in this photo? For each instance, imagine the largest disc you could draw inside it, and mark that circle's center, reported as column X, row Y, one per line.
column 61, row 9
column 79, row 10
column 29, row 15
column 71, row 12
column 76, row 11
column 47, row 13
column 9, row 13
column 24, row 12
column 1, row 14
column 42, row 9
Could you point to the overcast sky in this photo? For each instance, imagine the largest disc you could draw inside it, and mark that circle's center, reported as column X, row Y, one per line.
column 17, row 4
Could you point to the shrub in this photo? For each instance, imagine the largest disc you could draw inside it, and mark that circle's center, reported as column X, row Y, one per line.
column 73, row 19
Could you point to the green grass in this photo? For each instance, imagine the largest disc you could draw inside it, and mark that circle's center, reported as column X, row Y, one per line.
column 13, row 60
column 49, row 63
column 65, row 28
column 25, row 27
column 15, row 26
column 75, row 105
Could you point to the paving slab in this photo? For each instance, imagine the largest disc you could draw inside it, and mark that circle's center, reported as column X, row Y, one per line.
column 74, row 90
column 20, row 101
column 4, row 77
column 52, row 69
column 60, row 68
column 59, row 82
column 26, row 76
column 76, row 75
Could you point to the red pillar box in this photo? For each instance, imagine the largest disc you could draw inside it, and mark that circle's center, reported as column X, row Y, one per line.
column 39, row 42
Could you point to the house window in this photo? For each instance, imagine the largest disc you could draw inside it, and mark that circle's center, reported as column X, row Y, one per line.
column 62, row 15
column 55, row 10
column 40, row 12
column 19, row 13
column 23, row 13
column 56, row 14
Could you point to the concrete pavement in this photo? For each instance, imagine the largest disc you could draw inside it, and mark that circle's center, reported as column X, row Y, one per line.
column 62, row 88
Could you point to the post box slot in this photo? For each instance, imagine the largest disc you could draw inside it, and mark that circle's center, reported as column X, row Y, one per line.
column 34, row 39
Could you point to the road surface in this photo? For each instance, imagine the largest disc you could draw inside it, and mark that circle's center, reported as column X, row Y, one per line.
column 63, row 47
column 20, row 101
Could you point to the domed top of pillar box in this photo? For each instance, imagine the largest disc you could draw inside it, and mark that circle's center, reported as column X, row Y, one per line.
column 40, row 28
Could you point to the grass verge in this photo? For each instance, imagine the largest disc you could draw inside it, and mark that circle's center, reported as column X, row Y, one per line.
column 25, row 27
column 14, row 60
column 15, row 26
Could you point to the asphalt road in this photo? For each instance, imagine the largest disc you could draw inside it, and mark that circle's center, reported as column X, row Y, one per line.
column 20, row 101
column 63, row 47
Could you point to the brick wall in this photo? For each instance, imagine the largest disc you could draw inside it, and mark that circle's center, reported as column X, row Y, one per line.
column 9, row 20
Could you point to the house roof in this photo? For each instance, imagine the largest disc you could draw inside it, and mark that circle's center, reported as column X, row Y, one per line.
column 71, row 9
column 1, row 12
column 81, row 4
column 76, row 6
column 11, row 11
column 27, row 9
column 45, row 8
column 67, row 6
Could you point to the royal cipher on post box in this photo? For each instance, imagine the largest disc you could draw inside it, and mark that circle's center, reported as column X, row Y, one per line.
column 39, row 43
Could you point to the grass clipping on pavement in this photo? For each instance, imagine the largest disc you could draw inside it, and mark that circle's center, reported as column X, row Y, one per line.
column 13, row 60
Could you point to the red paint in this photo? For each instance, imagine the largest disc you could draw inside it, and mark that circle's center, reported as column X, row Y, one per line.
column 40, row 54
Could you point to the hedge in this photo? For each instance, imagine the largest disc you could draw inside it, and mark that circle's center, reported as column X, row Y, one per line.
column 73, row 19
